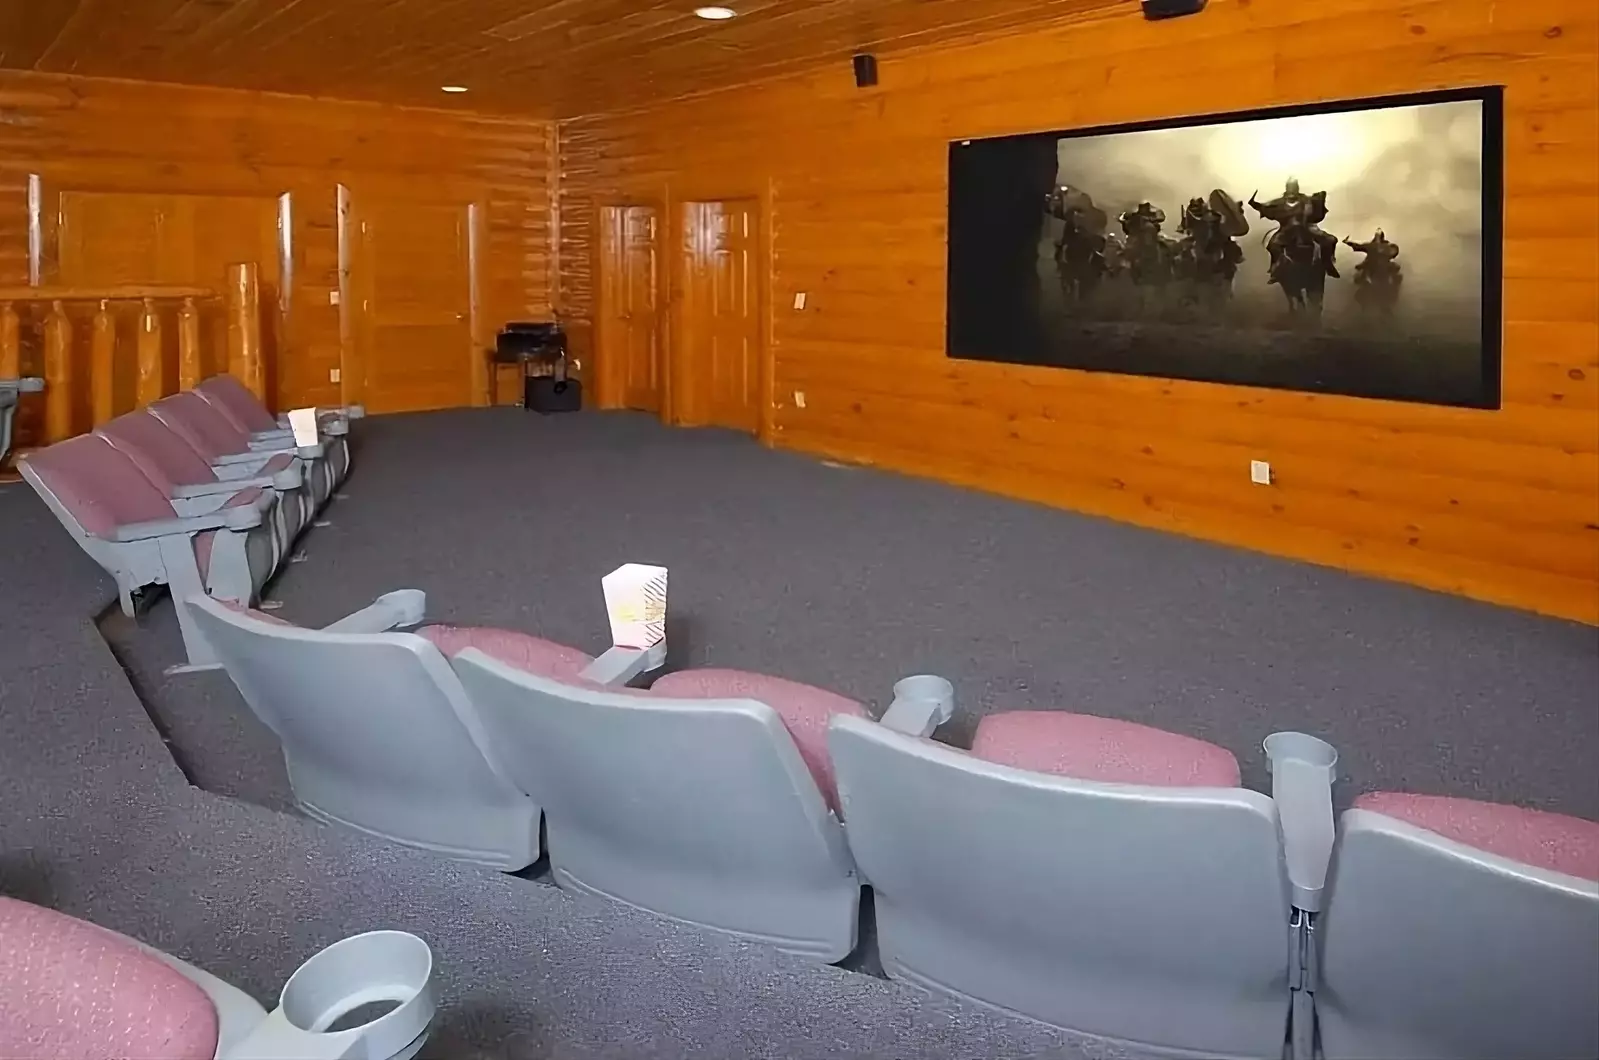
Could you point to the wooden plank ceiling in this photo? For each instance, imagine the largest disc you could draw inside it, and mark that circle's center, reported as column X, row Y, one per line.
column 539, row 58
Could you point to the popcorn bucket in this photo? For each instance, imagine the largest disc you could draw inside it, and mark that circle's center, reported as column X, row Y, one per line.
column 303, row 423
column 635, row 600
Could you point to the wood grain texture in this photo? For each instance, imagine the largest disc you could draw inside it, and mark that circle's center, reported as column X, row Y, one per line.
column 542, row 58
column 226, row 155
column 1501, row 505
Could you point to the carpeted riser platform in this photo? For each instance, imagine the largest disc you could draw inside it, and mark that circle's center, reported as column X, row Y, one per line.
column 843, row 578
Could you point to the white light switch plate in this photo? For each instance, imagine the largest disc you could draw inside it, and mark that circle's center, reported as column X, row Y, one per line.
column 333, row 298
column 1260, row 472
column 334, row 375
column 799, row 299
column 799, row 399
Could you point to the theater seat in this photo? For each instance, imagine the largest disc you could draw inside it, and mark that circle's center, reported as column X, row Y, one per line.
column 377, row 733
column 228, row 449
column 174, row 467
column 1092, row 874
column 1460, row 930
column 704, row 800
column 10, row 389
column 133, row 531
column 235, row 401
column 72, row 990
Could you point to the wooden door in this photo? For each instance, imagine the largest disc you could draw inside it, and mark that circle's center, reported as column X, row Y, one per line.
column 411, row 278
column 105, row 238
column 722, row 314
column 629, row 337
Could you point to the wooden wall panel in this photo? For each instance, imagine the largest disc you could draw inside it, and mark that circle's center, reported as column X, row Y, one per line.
column 1500, row 505
column 120, row 139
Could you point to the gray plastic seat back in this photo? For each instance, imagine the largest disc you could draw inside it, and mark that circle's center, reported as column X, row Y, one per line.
column 377, row 735
column 10, row 389
column 699, row 810
column 1433, row 950
column 1155, row 915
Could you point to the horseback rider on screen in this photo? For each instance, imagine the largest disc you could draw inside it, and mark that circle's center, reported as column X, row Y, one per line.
column 1297, row 216
column 1381, row 262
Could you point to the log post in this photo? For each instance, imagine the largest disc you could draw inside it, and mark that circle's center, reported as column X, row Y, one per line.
column 244, row 328
column 103, row 363
column 58, row 423
column 189, row 363
column 152, row 384
column 10, row 342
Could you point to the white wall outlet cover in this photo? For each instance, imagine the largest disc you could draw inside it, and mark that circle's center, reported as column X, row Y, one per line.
column 333, row 298
column 799, row 399
column 1260, row 472
column 799, row 299
column 335, row 375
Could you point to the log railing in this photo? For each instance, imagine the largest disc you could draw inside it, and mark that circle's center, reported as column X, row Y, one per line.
column 105, row 350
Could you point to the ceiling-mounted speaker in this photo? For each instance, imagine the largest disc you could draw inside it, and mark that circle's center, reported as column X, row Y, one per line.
column 1154, row 10
column 865, row 70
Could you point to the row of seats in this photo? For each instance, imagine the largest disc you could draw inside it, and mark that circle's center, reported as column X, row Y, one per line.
column 72, row 990
column 1093, row 874
column 202, row 491
column 10, row 391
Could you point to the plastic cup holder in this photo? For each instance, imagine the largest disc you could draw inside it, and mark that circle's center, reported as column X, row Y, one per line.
column 1300, row 747
column 927, row 690
column 409, row 606
column 389, row 973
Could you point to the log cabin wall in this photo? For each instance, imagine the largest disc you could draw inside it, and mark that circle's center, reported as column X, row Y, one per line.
column 172, row 183
column 1498, row 505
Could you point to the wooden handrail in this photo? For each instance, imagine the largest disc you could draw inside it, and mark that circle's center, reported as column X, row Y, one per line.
column 102, row 376
column 131, row 292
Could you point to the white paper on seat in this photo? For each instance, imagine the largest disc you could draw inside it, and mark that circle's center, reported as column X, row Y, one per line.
column 635, row 600
column 303, row 423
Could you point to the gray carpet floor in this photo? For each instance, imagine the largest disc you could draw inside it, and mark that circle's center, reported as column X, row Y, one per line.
column 156, row 805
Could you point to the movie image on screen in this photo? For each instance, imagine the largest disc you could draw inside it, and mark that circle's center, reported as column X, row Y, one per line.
column 1349, row 248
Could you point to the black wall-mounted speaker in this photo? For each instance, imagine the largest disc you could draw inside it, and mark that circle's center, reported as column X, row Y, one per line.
column 865, row 70
column 1155, row 10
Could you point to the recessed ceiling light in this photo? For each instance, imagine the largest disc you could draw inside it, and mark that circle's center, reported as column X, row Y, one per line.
column 453, row 88
column 715, row 14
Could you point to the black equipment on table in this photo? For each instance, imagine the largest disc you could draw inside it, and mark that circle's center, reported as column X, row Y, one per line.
column 540, row 348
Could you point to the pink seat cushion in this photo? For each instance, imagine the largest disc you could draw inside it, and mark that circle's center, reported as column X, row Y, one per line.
column 804, row 709
column 72, row 991
column 205, row 540
column 1086, row 747
column 277, row 463
column 1549, row 841
column 99, row 484
column 236, row 400
column 530, row 654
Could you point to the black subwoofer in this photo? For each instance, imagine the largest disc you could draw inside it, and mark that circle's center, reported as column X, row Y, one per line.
column 552, row 393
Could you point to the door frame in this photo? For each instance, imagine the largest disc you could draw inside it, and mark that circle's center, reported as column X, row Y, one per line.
column 609, row 376
column 352, row 317
column 680, row 381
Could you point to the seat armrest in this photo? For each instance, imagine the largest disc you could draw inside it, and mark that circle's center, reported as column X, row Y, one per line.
column 402, row 607
column 239, row 458
column 921, row 704
column 30, row 384
column 290, row 478
column 310, row 452
column 209, row 489
column 231, row 518
column 1301, row 786
column 618, row 665
column 277, row 439
column 337, row 413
